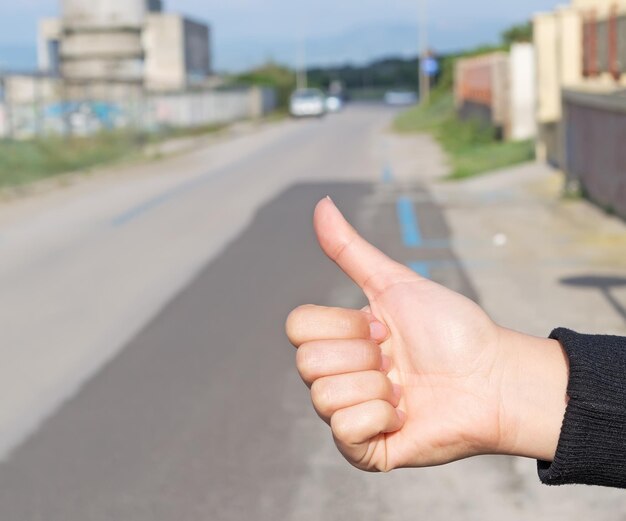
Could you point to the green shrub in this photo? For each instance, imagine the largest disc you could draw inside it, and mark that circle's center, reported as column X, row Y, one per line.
column 472, row 146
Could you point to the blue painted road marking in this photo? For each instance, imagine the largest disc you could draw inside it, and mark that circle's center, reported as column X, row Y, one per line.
column 158, row 200
column 137, row 211
column 409, row 225
column 411, row 234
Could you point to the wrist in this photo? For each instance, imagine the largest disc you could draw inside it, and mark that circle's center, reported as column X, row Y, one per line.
column 533, row 395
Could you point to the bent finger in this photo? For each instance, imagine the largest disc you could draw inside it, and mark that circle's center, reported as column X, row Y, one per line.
column 355, row 427
column 308, row 323
column 333, row 393
column 335, row 357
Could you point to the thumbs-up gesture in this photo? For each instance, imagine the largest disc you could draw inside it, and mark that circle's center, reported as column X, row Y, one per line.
column 422, row 376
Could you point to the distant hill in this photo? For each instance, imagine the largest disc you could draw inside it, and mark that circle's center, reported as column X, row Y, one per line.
column 18, row 57
column 358, row 46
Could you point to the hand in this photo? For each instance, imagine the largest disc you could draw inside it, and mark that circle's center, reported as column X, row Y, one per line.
column 422, row 376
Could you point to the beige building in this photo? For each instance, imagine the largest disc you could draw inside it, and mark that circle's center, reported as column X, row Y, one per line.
column 581, row 110
column 579, row 47
column 98, row 44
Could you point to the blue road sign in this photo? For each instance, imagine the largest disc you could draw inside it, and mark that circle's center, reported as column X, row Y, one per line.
column 430, row 66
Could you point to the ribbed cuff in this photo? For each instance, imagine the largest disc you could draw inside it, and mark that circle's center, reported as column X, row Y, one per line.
column 592, row 444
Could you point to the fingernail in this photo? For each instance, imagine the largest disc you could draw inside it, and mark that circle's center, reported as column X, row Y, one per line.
column 378, row 331
column 386, row 364
column 329, row 198
column 401, row 415
column 397, row 391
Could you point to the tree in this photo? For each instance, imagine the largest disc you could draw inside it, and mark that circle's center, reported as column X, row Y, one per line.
column 518, row 33
column 273, row 75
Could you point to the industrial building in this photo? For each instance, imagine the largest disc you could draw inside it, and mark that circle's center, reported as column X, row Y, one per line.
column 581, row 106
column 116, row 44
column 112, row 64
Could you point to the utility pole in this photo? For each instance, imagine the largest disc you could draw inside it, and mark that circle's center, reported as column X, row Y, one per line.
column 424, row 79
column 301, row 77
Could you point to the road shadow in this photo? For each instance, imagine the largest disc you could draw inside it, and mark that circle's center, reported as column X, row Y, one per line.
column 604, row 284
column 203, row 406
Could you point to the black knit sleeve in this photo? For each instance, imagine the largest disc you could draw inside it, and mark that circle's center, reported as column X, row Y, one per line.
column 592, row 444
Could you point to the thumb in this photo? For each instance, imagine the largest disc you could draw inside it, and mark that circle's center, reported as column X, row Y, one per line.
column 365, row 264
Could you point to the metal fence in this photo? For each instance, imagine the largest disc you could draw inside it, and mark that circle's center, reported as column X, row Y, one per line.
column 499, row 89
column 481, row 88
column 595, row 155
column 32, row 106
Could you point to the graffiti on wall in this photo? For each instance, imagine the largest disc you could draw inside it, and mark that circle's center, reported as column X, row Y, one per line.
column 65, row 117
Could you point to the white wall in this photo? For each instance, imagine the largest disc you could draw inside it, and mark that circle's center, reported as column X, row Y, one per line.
column 3, row 122
column 206, row 108
column 523, row 91
column 91, row 111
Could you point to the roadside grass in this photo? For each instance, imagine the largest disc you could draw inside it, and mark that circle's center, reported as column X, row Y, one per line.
column 426, row 118
column 26, row 161
column 23, row 162
column 472, row 148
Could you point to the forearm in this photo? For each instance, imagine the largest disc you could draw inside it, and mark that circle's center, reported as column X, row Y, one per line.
column 564, row 404
column 534, row 395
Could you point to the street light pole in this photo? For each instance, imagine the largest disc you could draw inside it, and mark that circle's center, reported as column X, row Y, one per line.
column 424, row 80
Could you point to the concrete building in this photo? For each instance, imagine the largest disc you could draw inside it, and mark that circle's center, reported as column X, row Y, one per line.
column 101, row 43
column 48, row 46
column 113, row 64
column 176, row 52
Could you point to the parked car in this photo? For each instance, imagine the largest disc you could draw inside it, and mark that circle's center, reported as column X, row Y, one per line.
column 334, row 104
column 399, row 98
column 307, row 103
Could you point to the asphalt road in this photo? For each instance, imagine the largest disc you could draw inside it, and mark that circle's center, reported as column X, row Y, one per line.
column 194, row 417
column 149, row 375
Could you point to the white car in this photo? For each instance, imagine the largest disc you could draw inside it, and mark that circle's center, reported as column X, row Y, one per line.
column 307, row 103
column 400, row 98
column 334, row 104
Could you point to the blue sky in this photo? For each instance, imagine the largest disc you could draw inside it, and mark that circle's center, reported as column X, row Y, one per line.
column 248, row 31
